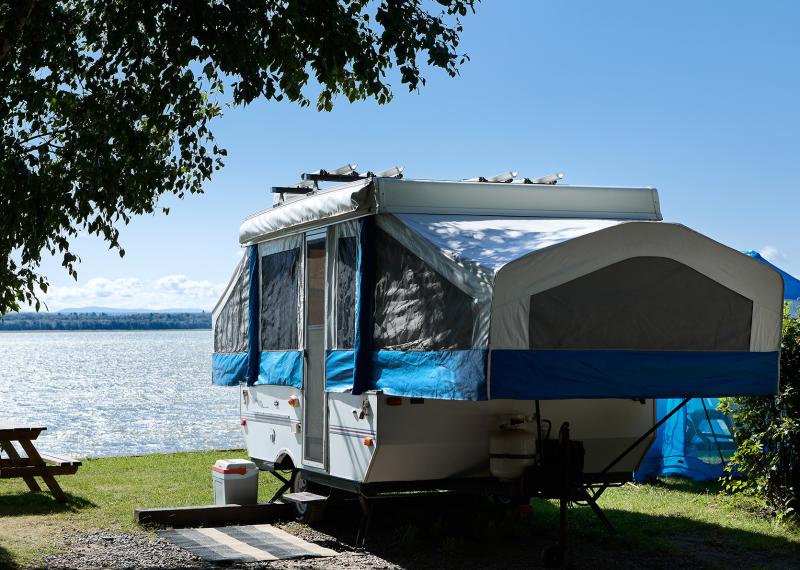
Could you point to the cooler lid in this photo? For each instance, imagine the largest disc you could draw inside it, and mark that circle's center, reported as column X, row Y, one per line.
column 233, row 466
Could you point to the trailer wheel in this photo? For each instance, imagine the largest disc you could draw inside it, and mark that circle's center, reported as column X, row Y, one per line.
column 553, row 556
column 307, row 513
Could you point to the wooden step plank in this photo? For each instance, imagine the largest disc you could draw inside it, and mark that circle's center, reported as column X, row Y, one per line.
column 210, row 515
column 303, row 497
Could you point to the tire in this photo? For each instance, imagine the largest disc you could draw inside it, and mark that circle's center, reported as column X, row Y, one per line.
column 308, row 513
column 553, row 556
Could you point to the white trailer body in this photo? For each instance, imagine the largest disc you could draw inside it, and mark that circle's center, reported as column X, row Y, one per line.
column 381, row 332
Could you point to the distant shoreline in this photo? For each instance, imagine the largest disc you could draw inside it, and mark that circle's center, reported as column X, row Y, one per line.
column 63, row 322
column 9, row 331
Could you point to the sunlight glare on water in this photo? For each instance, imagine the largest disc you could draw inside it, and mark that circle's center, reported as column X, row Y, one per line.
column 117, row 392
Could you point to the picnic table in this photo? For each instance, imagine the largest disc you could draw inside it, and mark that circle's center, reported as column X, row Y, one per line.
column 34, row 464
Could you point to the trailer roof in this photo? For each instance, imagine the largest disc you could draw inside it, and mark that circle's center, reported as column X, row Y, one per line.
column 398, row 196
column 492, row 241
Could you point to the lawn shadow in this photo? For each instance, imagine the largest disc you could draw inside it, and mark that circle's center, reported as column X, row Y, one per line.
column 6, row 560
column 465, row 532
column 686, row 485
column 43, row 503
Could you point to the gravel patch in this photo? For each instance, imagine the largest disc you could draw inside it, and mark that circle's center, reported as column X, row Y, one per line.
column 120, row 550
column 139, row 551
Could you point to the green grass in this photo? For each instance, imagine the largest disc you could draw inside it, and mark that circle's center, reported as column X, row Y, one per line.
column 103, row 495
column 659, row 518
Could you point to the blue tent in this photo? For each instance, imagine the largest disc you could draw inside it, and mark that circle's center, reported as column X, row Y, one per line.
column 696, row 441
column 791, row 285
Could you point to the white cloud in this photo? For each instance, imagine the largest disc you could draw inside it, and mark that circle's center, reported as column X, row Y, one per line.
column 171, row 291
column 773, row 254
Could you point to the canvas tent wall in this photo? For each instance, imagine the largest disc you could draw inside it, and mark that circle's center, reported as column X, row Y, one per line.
column 230, row 325
column 697, row 440
column 464, row 302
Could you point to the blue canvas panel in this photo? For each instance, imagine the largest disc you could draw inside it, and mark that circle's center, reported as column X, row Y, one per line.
column 339, row 370
column 281, row 368
column 441, row 374
column 228, row 369
column 253, row 320
column 365, row 302
column 562, row 374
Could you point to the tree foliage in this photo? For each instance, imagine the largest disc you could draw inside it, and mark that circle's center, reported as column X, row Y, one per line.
column 767, row 432
column 106, row 105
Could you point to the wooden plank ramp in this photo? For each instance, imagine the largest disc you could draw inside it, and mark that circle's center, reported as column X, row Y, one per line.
column 244, row 543
column 211, row 515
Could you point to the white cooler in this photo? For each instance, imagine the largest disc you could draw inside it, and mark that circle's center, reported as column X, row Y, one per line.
column 235, row 482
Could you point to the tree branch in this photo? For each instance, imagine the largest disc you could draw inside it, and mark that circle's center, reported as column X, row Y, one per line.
column 51, row 134
column 8, row 37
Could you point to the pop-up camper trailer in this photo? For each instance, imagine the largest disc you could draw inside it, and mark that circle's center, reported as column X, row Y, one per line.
column 391, row 334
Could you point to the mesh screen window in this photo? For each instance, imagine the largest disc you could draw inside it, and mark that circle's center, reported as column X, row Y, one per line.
column 346, row 292
column 315, row 257
column 416, row 308
column 280, row 287
column 644, row 303
column 230, row 328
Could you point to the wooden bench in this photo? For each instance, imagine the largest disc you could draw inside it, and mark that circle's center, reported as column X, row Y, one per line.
column 35, row 464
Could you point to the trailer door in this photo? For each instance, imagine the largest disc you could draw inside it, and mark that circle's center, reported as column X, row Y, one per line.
column 315, row 416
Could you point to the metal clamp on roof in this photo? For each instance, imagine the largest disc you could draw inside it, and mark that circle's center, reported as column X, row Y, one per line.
column 346, row 173
column 304, row 187
column 509, row 178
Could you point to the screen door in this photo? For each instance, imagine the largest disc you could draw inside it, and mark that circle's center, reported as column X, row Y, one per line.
column 314, row 381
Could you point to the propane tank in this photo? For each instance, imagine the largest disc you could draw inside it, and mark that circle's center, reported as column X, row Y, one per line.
column 511, row 449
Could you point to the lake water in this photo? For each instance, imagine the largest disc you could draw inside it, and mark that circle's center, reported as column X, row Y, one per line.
column 117, row 393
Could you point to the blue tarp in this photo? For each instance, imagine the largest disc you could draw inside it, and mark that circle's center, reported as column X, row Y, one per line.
column 791, row 285
column 339, row 370
column 281, row 368
column 684, row 445
column 440, row 374
column 228, row 369
column 687, row 445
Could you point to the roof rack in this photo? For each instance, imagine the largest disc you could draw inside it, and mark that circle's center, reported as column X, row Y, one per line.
column 310, row 180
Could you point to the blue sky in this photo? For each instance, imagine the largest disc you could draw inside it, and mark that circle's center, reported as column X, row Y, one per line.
column 699, row 99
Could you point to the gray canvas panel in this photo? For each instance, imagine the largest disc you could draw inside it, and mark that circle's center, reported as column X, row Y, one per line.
column 230, row 326
column 346, row 260
column 644, row 303
column 280, row 290
column 416, row 308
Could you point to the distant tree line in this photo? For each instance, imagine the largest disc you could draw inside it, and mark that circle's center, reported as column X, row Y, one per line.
column 104, row 321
